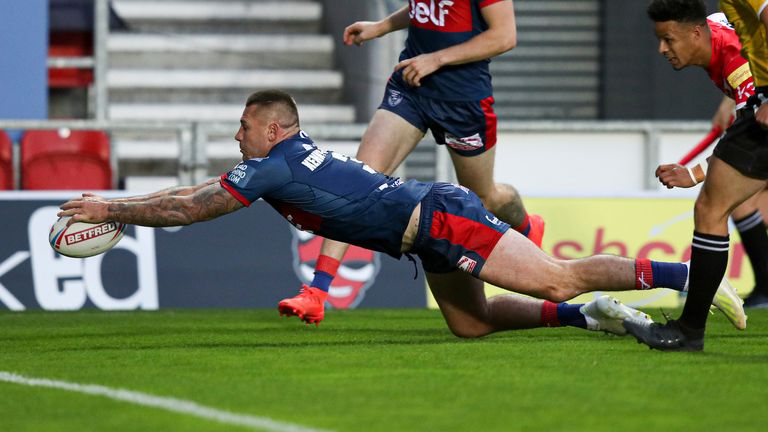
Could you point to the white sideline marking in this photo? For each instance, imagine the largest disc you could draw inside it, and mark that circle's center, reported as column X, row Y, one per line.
column 166, row 403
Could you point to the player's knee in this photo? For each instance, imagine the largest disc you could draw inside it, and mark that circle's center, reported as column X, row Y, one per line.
column 501, row 198
column 468, row 327
column 465, row 331
column 556, row 293
column 707, row 212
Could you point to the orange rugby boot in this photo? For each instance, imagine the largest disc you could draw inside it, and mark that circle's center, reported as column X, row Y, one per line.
column 309, row 305
column 536, row 233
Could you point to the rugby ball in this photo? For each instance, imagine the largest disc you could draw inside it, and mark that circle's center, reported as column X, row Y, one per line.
column 81, row 240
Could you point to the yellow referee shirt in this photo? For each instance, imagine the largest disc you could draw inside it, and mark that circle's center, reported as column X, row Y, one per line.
column 745, row 17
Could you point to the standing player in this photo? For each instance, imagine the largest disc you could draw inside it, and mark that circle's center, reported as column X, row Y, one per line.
column 738, row 169
column 715, row 48
column 460, row 243
column 442, row 83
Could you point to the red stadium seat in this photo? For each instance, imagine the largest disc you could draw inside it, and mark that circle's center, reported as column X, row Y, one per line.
column 65, row 160
column 70, row 44
column 6, row 161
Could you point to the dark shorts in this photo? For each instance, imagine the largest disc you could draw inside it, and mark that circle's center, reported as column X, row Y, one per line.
column 745, row 146
column 467, row 127
column 455, row 230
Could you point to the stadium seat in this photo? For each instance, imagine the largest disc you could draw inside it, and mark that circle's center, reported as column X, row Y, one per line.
column 70, row 44
column 6, row 161
column 65, row 160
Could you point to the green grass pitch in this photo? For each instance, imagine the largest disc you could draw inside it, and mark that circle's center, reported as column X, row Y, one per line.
column 374, row 370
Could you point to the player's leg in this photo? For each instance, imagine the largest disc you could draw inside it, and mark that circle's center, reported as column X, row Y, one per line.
column 388, row 140
column 723, row 190
column 752, row 229
column 470, row 314
column 517, row 265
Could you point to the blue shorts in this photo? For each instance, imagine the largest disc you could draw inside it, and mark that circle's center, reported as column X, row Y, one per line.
column 466, row 127
column 455, row 230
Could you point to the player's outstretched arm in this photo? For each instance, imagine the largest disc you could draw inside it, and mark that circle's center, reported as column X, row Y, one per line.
column 361, row 31
column 207, row 202
column 500, row 37
column 171, row 191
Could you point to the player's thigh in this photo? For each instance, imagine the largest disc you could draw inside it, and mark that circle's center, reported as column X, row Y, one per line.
column 724, row 189
column 476, row 172
column 387, row 141
column 461, row 298
column 516, row 264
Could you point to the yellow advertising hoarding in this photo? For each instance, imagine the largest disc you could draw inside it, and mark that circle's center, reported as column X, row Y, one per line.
column 654, row 228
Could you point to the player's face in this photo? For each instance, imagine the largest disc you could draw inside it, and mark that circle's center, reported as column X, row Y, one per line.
column 253, row 134
column 677, row 42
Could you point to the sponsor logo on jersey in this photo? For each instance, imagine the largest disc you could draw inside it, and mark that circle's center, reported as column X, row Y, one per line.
column 357, row 271
column 432, row 12
column 473, row 142
column 237, row 173
column 395, row 97
column 441, row 15
column 466, row 264
column 90, row 233
column 741, row 74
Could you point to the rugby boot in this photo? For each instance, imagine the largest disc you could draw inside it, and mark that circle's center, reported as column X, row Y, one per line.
column 536, row 232
column 308, row 305
column 671, row 336
column 730, row 304
column 607, row 314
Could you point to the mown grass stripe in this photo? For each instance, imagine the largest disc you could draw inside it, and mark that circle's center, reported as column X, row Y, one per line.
column 166, row 403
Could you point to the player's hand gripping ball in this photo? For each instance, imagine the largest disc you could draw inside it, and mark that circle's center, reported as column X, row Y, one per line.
column 81, row 240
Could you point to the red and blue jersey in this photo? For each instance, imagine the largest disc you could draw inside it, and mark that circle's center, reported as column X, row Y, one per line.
column 439, row 24
column 329, row 194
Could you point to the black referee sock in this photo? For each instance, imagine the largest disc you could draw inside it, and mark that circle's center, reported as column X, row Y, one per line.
column 754, row 238
column 709, row 258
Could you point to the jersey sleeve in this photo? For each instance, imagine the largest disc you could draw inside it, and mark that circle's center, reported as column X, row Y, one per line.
column 255, row 178
column 739, row 78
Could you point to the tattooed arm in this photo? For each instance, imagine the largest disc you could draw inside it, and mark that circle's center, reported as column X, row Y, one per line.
column 171, row 191
column 208, row 201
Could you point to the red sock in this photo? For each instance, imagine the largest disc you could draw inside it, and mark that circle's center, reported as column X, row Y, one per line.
column 327, row 264
column 549, row 314
column 525, row 226
column 643, row 274
column 325, row 271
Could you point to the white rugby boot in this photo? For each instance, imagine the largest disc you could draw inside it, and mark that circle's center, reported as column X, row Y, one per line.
column 730, row 304
column 607, row 314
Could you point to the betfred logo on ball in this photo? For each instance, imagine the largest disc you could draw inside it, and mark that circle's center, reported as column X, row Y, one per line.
column 357, row 271
column 89, row 233
column 81, row 240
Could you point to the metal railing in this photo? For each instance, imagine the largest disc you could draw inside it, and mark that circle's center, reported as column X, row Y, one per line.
column 193, row 137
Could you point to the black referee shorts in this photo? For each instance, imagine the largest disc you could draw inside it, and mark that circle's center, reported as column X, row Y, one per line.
column 745, row 146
